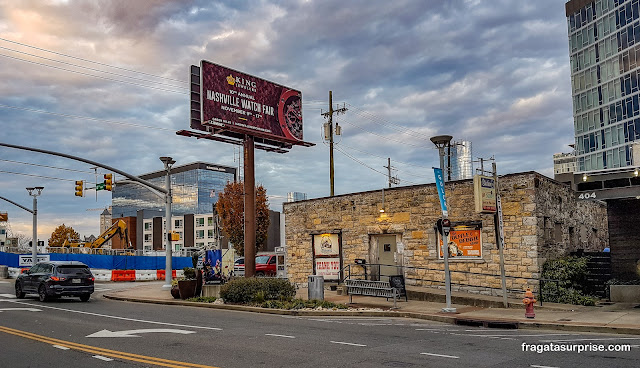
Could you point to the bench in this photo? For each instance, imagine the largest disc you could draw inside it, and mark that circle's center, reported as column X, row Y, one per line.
column 371, row 288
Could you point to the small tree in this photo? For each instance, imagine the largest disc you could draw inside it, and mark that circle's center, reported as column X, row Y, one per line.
column 230, row 208
column 62, row 233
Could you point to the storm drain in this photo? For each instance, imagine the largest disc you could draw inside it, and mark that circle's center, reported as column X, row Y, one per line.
column 487, row 324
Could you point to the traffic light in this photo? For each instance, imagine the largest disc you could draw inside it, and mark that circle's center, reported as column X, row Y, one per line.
column 107, row 182
column 79, row 188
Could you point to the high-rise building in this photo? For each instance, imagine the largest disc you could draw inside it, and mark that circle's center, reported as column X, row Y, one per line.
column 195, row 188
column 459, row 158
column 604, row 47
column 296, row 196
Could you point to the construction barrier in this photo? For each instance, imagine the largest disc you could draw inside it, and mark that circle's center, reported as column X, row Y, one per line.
column 123, row 275
column 116, row 275
column 160, row 274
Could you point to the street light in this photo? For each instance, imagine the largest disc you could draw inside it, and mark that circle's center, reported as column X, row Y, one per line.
column 35, row 192
column 167, row 161
column 442, row 141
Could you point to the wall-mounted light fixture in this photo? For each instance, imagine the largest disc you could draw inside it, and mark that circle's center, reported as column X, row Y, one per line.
column 584, row 177
column 636, row 172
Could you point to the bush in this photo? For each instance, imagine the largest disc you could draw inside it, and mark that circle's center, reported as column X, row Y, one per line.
column 569, row 275
column 300, row 304
column 203, row 299
column 189, row 273
column 257, row 290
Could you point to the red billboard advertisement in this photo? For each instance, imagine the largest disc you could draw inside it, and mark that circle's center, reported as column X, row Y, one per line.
column 239, row 102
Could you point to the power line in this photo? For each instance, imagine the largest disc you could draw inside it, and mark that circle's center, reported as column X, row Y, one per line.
column 85, row 118
column 36, row 176
column 93, row 75
column 49, row 167
column 381, row 136
column 89, row 61
column 382, row 122
column 399, row 170
column 379, row 156
column 367, row 166
column 92, row 69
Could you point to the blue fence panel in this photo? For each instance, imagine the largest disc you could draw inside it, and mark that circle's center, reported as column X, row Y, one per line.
column 108, row 262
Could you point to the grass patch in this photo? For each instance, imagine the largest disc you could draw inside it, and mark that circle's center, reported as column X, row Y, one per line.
column 203, row 299
column 295, row 304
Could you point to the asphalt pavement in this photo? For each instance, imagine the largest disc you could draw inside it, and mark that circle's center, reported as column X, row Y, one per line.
column 620, row 318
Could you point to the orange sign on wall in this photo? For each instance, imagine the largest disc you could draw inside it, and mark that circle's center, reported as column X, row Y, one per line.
column 465, row 242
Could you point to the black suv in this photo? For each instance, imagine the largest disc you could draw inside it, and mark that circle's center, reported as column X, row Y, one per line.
column 56, row 278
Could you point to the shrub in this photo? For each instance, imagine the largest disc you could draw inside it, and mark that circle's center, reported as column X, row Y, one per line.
column 257, row 290
column 569, row 275
column 189, row 273
column 203, row 299
column 300, row 304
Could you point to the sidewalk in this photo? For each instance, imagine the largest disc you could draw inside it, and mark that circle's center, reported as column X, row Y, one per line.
column 619, row 318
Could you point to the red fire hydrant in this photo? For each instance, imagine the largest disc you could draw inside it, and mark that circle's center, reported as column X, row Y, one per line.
column 529, row 301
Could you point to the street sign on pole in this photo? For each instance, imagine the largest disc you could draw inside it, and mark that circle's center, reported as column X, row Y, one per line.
column 100, row 186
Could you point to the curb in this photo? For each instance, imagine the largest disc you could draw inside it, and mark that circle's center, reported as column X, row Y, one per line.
column 455, row 320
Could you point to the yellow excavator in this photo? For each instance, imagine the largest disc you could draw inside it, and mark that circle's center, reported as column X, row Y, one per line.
column 118, row 227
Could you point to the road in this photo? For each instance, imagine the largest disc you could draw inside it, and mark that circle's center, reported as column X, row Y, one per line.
column 107, row 333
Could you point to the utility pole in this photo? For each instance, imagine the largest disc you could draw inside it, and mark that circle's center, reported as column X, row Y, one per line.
column 392, row 179
column 329, row 114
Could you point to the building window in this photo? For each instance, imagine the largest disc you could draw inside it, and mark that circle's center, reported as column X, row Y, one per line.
column 177, row 224
column 210, row 233
column 180, row 235
column 209, row 221
column 148, row 238
column 200, row 222
column 211, row 244
column 199, row 234
column 148, row 226
column 557, row 232
column 200, row 245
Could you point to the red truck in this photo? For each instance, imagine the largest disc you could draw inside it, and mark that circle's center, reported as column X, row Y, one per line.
column 265, row 265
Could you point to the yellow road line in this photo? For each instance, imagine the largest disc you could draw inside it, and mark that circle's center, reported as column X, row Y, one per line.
column 102, row 351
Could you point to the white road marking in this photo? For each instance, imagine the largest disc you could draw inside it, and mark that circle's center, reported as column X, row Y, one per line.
column 102, row 289
column 346, row 343
column 441, row 355
column 10, row 296
column 133, row 333
column 120, row 318
column 102, row 358
column 20, row 309
column 541, row 366
column 61, row 347
column 276, row 335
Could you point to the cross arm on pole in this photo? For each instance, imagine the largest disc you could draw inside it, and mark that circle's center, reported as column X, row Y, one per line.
column 14, row 203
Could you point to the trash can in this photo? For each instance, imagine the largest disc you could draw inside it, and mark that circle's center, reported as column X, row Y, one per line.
column 316, row 287
column 4, row 272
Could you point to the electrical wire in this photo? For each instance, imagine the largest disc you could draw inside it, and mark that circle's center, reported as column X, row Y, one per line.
column 49, row 167
column 381, row 136
column 93, row 75
column 380, row 121
column 367, row 166
column 93, row 69
column 88, row 61
column 85, row 118
column 36, row 176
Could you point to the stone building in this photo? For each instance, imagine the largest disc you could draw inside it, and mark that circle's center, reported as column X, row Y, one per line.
column 396, row 226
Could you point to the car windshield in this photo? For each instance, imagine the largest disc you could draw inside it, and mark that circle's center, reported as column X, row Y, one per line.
column 262, row 259
column 240, row 261
column 73, row 270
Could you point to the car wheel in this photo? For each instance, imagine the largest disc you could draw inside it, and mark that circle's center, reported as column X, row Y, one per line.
column 19, row 292
column 42, row 293
column 259, row 274
column 85, row 297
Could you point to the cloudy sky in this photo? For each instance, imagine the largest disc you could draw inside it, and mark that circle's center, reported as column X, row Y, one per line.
column 108, row 81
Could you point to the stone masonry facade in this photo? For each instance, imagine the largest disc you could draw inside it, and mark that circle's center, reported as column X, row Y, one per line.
column 542, row 220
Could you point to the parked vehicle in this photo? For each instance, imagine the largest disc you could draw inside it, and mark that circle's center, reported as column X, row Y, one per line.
column 238, row 267
column 265, row 265
column 54, row 279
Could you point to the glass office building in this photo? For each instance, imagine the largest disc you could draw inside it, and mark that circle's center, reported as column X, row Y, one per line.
column 195, row 188
column 459, row 158
column 604, row 46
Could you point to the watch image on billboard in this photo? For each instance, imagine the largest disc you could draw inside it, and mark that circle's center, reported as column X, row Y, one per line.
column 240, row 102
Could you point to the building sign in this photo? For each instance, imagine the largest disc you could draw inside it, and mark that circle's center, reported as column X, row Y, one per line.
column 25, row 259
column 326, row 245
column 484, row 191
column 242, row 103
column 327, row 258
column 328, row 267
column 465, row 242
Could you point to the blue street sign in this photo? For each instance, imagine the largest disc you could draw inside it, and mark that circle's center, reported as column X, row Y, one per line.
column 440, row 186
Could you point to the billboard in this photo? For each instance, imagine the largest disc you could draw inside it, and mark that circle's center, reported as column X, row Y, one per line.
column 239, row 102
column 465, row 242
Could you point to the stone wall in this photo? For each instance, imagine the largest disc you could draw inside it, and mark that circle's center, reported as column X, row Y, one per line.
column 530, row 209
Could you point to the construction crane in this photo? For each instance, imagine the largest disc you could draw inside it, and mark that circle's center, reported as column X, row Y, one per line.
column 119, row 228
